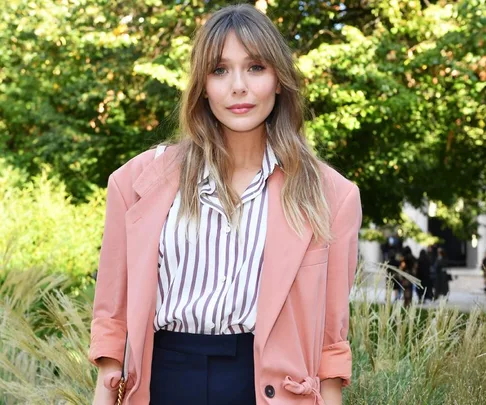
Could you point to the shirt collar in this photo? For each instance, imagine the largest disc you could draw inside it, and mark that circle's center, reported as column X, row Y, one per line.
column 269, row 162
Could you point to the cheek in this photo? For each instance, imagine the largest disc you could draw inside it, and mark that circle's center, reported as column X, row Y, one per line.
column 215, row 93
column 266, row 89
column 266, row 95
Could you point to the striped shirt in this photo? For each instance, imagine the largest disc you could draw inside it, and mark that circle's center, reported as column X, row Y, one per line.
column 209, row 284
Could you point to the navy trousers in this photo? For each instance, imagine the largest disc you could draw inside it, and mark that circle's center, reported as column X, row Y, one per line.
column 193, row 369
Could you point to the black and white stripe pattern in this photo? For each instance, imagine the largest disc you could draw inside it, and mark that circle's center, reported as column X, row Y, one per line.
column 210, row 284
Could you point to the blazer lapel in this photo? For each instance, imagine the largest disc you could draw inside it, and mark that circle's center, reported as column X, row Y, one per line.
column 157, row 187
column 283, row 253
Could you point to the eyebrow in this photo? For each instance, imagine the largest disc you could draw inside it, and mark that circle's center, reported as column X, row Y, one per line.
column 248, row 58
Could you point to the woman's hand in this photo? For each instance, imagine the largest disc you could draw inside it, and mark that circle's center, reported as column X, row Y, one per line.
column 331, row 391
column 104, row 396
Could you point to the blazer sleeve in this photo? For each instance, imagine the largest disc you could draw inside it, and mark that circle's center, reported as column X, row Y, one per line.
column 336, row 358
column 108, row 328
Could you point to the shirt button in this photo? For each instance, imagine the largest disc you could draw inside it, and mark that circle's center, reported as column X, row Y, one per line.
column 211, row 325
column 269, row 391
column 228, row 229
column 222, row 279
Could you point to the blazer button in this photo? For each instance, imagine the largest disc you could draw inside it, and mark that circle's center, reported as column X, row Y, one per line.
column 269, row 391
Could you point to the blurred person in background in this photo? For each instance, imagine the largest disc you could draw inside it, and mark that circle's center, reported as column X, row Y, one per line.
column 423, row 274
column 432, row 255
column 442, row 277
column 408, row 264
column 483, row 268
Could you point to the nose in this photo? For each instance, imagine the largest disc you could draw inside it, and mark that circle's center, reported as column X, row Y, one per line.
column 239, row 83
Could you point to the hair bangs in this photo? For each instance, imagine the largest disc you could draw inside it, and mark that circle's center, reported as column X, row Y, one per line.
column 252, row 38
column 215, row 44
column 201, row 135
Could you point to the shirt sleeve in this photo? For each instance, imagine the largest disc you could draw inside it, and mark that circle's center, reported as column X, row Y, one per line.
column 336, row 360
column 108, row 328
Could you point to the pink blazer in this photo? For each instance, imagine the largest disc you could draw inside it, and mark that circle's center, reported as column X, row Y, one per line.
column 302, row 311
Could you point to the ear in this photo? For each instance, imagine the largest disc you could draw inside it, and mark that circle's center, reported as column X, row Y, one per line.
column 279, row 89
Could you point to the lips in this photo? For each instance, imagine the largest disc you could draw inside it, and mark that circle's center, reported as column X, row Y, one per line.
column 240, row 108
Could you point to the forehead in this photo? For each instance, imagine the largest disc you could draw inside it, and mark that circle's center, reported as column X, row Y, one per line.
column 231, row 47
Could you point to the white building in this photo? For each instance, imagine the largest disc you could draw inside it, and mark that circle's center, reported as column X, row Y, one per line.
column 471, row 252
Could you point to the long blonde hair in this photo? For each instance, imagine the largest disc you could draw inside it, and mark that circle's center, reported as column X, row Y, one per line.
column 201, row 137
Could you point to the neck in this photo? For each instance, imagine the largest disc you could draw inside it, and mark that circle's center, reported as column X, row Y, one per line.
column 246, row 148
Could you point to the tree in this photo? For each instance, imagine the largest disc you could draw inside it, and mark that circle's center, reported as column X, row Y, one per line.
column 395, row 90
column 401, row 111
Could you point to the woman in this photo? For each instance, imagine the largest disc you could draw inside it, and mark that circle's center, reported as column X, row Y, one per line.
column 483, row 269
column 442, row 277
column 408, row 265
column 228, row 258
column 423, row 274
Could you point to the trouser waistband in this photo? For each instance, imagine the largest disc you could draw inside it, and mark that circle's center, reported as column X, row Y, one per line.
column 209, row 345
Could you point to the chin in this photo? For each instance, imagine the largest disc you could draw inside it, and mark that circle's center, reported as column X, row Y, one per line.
column 242, row 127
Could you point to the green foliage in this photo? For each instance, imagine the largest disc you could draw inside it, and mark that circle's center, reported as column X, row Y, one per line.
column 41, row 228
column 400, row 355
column 43, row 341
column 395, row 89
column 416, row 356
column 402, row 110
column 462, row 221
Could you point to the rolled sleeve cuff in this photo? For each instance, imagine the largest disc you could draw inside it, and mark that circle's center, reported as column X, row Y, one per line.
column 336, row 362
column 107, row 340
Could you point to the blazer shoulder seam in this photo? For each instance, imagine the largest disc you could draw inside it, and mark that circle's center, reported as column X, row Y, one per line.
column 353, row 187
column 113, row 177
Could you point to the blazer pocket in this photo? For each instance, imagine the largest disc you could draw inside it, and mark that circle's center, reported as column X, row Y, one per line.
column 316, row 256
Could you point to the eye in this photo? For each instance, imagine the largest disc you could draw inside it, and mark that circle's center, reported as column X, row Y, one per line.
column 219, row 71
column 257, row 68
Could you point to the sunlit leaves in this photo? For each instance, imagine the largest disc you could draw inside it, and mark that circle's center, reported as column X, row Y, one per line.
column 407, row 104
column 395, row 89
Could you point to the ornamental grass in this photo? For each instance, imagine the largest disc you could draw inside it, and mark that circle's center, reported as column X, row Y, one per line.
column 401, row 355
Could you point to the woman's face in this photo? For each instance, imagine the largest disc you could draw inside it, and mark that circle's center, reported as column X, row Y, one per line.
column 241, row 91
